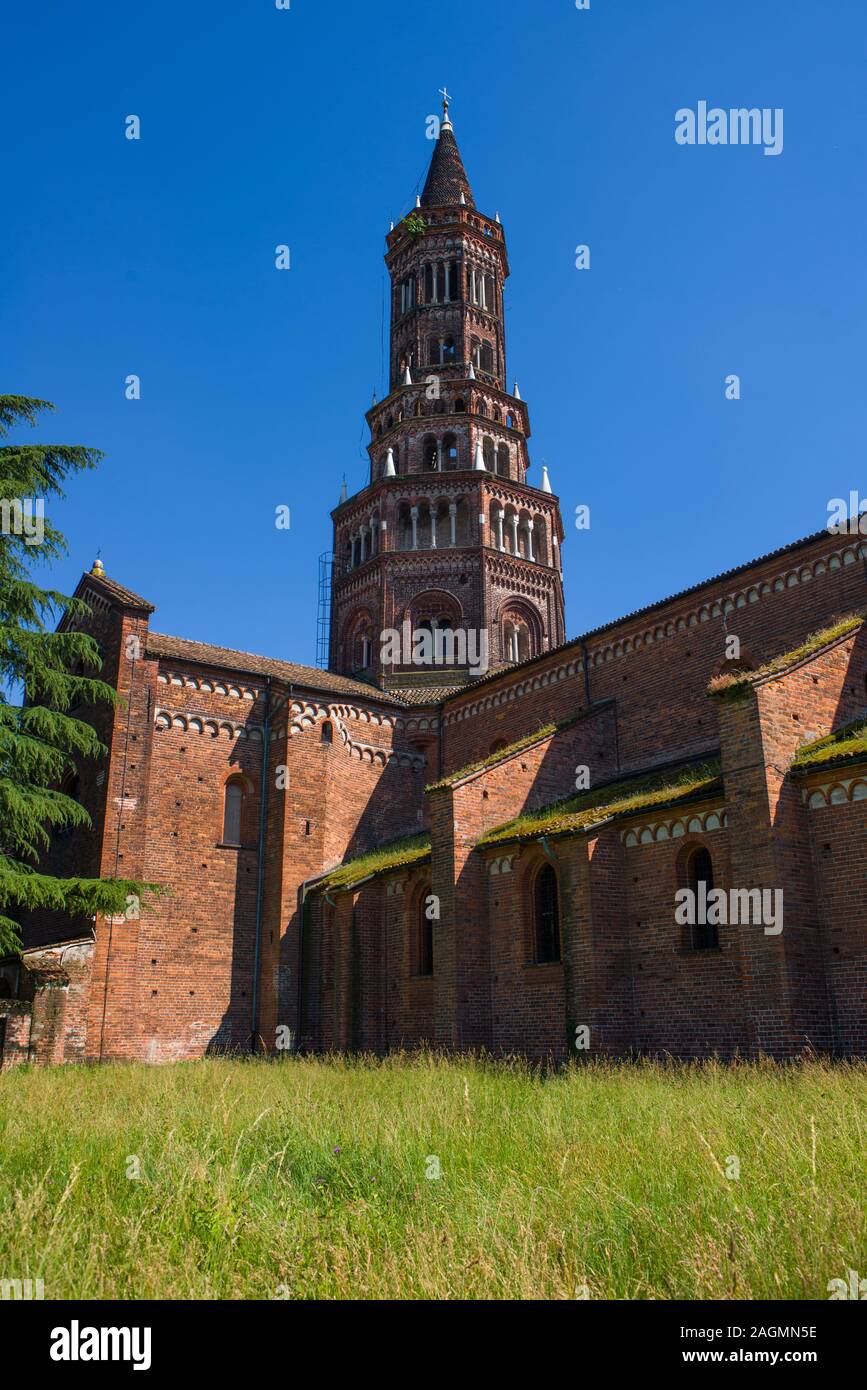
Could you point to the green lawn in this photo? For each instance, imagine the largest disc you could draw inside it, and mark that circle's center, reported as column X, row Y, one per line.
column 316, row 1179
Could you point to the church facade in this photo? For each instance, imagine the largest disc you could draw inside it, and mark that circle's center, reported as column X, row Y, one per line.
column 470, row 832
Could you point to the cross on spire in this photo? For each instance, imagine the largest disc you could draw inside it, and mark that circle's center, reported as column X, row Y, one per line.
column 444, row 93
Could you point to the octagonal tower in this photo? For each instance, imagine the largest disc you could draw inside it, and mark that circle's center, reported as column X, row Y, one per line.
column 447, row 564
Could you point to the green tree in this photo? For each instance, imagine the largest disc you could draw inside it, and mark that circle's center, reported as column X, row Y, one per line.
column 40, row 740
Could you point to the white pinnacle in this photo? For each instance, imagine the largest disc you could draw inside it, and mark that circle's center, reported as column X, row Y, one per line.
column 407, row 377
column 390, row 471
column 546, row 481
column 479, row 460
column 516, row 393
column 471, row 374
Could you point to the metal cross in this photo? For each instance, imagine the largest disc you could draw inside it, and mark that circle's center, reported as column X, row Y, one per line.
column 444, row 93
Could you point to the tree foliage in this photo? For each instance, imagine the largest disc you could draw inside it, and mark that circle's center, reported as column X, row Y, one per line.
column 45, row 674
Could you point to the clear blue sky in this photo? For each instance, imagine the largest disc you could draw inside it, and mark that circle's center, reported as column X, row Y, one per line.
column 307, row 127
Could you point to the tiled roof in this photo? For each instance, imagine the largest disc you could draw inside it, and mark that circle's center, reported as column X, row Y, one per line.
column 310, row 677
column 425, row 695
column 117, row 591
column 447, row 177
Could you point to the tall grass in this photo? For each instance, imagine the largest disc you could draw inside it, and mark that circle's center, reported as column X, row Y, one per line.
column 317, row 1179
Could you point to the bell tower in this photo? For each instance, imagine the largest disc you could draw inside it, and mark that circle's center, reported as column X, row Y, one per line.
column 447, row 563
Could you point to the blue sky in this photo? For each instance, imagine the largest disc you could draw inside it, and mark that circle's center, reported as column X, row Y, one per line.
column 307, row 127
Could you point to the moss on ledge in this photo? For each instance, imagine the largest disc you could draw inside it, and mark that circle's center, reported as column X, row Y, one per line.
column 850, row 742
column 625, row 798
column 544, row 731
column 398, row 854
column 733, row 684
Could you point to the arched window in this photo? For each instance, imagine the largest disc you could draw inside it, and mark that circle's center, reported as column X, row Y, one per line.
column 424, row 935
column 232, row 806
column 327, row 735
column 487, row 359
column 460, row 407
column 546, row 916
column 430, row 454
column 450, row 451
column 700, row 870
column 361, row 649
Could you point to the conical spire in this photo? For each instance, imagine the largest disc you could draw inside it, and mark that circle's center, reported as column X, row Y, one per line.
column 390, row 471
column 479, row 460
column 447, row 183
column 546, row 481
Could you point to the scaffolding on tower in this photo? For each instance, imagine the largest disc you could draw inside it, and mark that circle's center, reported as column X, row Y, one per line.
column 323, row 621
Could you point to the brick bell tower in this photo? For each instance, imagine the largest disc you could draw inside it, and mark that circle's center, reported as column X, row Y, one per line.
column 447, row 564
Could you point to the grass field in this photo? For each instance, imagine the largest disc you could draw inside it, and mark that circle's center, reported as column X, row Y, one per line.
column 317, row 1179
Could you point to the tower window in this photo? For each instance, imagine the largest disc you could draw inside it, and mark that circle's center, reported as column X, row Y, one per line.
column 546, row 916
column 327, row 735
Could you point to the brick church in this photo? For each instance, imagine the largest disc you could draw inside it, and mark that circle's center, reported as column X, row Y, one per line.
column 469, row 831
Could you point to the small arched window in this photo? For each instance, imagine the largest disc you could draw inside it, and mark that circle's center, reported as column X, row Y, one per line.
column 327, row 735
column 232, row 807
column 546, row 916
column 700, row 871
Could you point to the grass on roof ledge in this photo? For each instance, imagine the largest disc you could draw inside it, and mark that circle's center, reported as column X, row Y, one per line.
column 412, row 849
column 544, row 731
column 620, row 799
column 737, row 682
column 848, row 742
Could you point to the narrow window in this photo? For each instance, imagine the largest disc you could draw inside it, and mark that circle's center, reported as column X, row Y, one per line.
column 327, row 735
column 234, row 800
column 704, row 934
column 547, row 916
column 424, row 940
